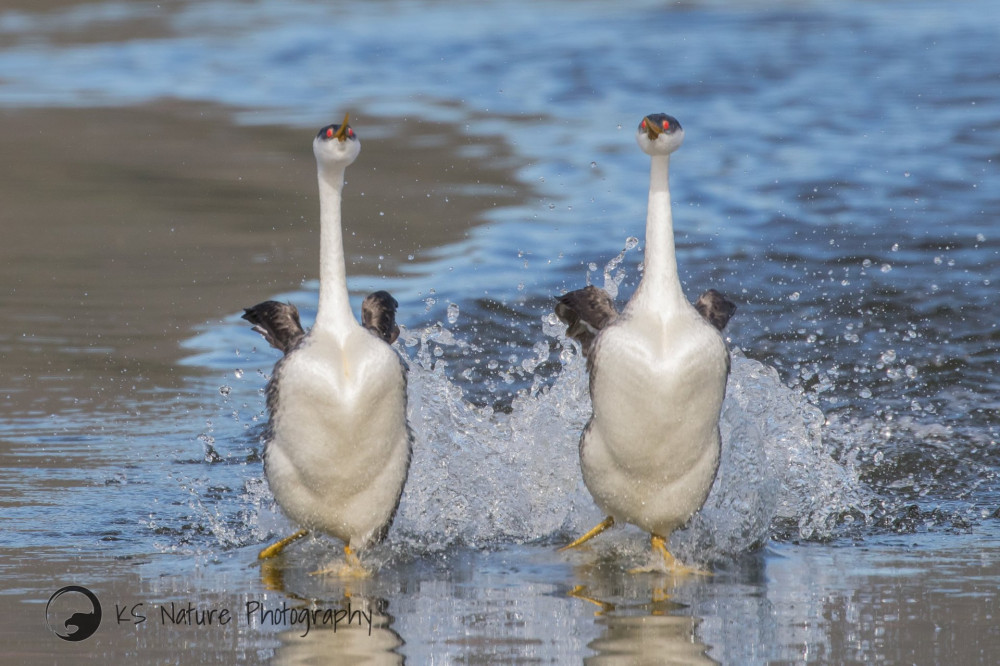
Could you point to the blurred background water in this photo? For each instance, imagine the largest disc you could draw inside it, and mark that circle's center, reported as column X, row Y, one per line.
column 837, row 181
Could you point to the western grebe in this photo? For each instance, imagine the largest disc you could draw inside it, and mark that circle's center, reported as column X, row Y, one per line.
column 658, row 371
column 338, row 446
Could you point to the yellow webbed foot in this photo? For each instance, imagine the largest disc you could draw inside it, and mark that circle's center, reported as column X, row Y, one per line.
column 276, row 548
column 350, row 568
column 672, row 565
column 603, row 525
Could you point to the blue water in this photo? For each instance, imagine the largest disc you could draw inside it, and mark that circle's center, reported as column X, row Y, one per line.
column 838, row 181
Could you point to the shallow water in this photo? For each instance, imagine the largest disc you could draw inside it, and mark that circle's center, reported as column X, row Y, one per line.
column 838, row 180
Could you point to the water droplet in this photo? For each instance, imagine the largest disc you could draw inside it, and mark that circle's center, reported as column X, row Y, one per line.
column 593, row 165
column 794, row 296
column 885, row 268
column 631, row 242
column 452, row 313
column 238, row 373
column 225, row 390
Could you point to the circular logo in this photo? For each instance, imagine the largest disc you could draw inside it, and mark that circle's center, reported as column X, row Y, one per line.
column 73, row 613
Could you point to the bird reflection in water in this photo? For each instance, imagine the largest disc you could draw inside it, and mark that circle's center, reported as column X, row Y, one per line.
column 372, row 641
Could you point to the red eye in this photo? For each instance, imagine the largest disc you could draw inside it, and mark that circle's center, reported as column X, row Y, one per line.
column 666, row 124
column 643, row 124
column 350, row 132
column 329, row 132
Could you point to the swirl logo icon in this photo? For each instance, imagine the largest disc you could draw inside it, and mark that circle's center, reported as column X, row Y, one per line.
column 73, row 613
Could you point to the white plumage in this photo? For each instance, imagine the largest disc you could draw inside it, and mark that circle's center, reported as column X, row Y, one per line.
column 651, row 450
column 338, row 449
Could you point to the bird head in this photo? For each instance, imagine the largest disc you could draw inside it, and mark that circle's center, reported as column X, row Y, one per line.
column 659, row 134
column 336, row 145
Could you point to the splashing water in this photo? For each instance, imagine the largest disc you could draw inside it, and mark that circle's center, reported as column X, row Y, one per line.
column 482, row 476
column 613, row 272
column 775, row 470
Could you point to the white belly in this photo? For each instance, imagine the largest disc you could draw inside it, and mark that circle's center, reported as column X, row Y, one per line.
column 651, row 450
column 339, row 450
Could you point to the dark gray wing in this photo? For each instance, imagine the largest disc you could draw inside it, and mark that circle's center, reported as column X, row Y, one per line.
column 715, row 308
column 277, row 322
column 585, row 312
column 378, row 315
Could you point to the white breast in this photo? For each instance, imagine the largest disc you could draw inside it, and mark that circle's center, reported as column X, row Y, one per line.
column 339, row 450
column 651, row 450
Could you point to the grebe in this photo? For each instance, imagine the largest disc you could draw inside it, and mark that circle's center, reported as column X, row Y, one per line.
column 338, row 447
column 658, row 372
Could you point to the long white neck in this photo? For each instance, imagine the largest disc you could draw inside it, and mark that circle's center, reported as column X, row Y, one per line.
column 660, row 288
column 334, row 311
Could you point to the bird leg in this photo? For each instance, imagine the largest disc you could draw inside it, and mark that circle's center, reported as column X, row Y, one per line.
column 352, row 568
column 351, row 556
column 659, row 544
column 603, row 525
column 276, row 548
column 673, row 567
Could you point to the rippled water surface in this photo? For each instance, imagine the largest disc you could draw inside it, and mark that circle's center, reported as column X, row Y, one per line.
column 838, row 181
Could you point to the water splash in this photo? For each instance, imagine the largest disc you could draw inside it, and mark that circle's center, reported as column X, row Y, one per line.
column 613, row 273
column 776, row 472
column 482, row 475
